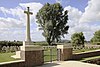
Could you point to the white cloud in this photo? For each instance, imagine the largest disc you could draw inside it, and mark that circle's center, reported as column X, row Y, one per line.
column 12, row 34
column 12, row 25
column 92, row 12
column 58, row 1
column 74, row 15
column 34, row 7
column 86, row 22
column 18, row 11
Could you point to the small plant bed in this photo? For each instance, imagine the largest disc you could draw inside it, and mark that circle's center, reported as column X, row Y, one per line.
column 5, row 57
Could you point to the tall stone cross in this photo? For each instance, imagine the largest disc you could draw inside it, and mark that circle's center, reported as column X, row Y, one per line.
column 28, row 39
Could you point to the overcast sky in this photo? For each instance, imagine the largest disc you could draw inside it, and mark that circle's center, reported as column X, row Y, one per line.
column 84, row 16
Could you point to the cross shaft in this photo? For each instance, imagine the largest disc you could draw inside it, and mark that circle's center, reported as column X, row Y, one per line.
column 28, row 38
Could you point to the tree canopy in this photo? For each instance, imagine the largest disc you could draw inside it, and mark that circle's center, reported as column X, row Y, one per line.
column 96, row 38
column 78, row 39
column 53, row 20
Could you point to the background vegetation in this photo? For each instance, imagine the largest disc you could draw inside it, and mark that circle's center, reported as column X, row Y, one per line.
column 53, row 22
column 96, row 38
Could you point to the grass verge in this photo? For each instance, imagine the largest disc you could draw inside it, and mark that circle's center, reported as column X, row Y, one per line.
column 5, row 57
column 90, row 58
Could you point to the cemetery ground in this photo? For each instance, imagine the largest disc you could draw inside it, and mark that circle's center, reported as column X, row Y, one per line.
column 6, row 56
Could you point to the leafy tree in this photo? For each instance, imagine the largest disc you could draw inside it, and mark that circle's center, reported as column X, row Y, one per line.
column 78, row 39
column 96, row 37
column 53, row 22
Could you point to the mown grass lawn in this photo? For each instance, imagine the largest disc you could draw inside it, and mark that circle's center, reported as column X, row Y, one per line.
column 5, row 57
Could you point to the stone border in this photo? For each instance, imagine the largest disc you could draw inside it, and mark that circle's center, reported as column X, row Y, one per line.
column 31, row 48
column 2, row 63
column 63, row 46
column 17, row 63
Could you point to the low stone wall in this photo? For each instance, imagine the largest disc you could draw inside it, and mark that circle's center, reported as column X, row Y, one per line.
column 86, row 54
column 67, row 53
column 28, row 59
column 33, row 55
column 64, row 52
column 18, row 63
column 32, row 58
